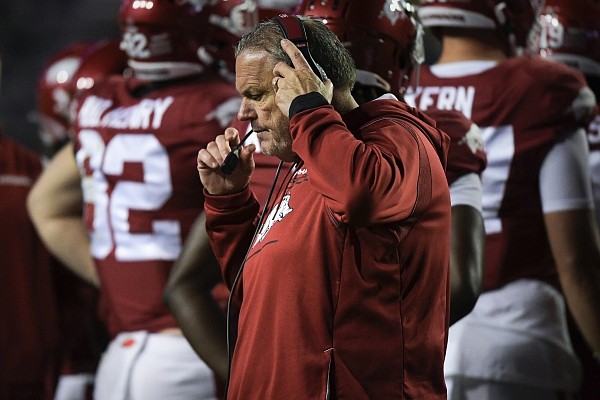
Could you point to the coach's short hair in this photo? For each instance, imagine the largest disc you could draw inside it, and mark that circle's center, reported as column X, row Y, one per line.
column 325, row 47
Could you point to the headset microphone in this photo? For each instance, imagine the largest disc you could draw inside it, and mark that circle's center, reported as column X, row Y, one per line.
column 232, row 159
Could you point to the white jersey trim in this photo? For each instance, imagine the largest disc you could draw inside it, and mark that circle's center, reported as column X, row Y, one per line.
column 466, row 190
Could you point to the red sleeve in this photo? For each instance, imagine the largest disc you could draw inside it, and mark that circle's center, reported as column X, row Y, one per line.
column 363, row 179
column 230, row 226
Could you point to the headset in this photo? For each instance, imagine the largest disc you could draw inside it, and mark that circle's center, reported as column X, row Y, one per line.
column 292, row 29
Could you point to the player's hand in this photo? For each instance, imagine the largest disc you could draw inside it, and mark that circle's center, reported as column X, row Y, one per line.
column 210, row 159
column 290, row 83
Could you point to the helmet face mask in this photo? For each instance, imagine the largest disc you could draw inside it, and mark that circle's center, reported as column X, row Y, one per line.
column 570, row 33
column 383, row 37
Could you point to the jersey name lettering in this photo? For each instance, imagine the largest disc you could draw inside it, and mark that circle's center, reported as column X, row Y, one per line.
column 443, row 98
column 147, row 114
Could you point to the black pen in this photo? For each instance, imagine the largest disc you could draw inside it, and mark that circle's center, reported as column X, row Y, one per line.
column 232, row 159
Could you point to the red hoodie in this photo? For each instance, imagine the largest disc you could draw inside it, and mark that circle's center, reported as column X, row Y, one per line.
column 345, row 289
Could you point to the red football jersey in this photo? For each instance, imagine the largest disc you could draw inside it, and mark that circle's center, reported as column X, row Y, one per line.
column 521, row 115
column 28, row 321
column 136, row 150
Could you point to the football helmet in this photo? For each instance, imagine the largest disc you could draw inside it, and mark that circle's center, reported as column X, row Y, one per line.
column 570, row 33
column 74, row 68
column 229, row 20
column 515, row 18
column 55, row 92
column 101, row 60
column 162, row 37
column 383, row 37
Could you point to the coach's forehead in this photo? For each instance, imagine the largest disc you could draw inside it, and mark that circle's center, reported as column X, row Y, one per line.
column 253, row 68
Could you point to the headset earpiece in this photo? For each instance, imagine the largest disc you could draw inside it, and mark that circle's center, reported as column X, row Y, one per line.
column 293, row 29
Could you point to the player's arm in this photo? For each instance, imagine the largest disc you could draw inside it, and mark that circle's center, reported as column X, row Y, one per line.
column 467, row 244
column 575, row 246
column 55, row 206
column 466, row 260
column 188, row 295
column 572, row 232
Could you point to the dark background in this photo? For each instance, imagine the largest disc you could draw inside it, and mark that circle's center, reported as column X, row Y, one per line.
column 31, row 31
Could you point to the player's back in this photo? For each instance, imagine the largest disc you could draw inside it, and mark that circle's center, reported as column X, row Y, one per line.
column 523, row 105
column 136, row 147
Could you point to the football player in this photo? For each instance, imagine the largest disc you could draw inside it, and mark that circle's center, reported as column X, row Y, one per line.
column 541, row 244
column 130, row 168
column 569, row 33
column 82, row 335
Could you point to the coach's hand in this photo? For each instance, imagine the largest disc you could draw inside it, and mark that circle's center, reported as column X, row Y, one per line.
column 210, row 159
column 290, row 83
